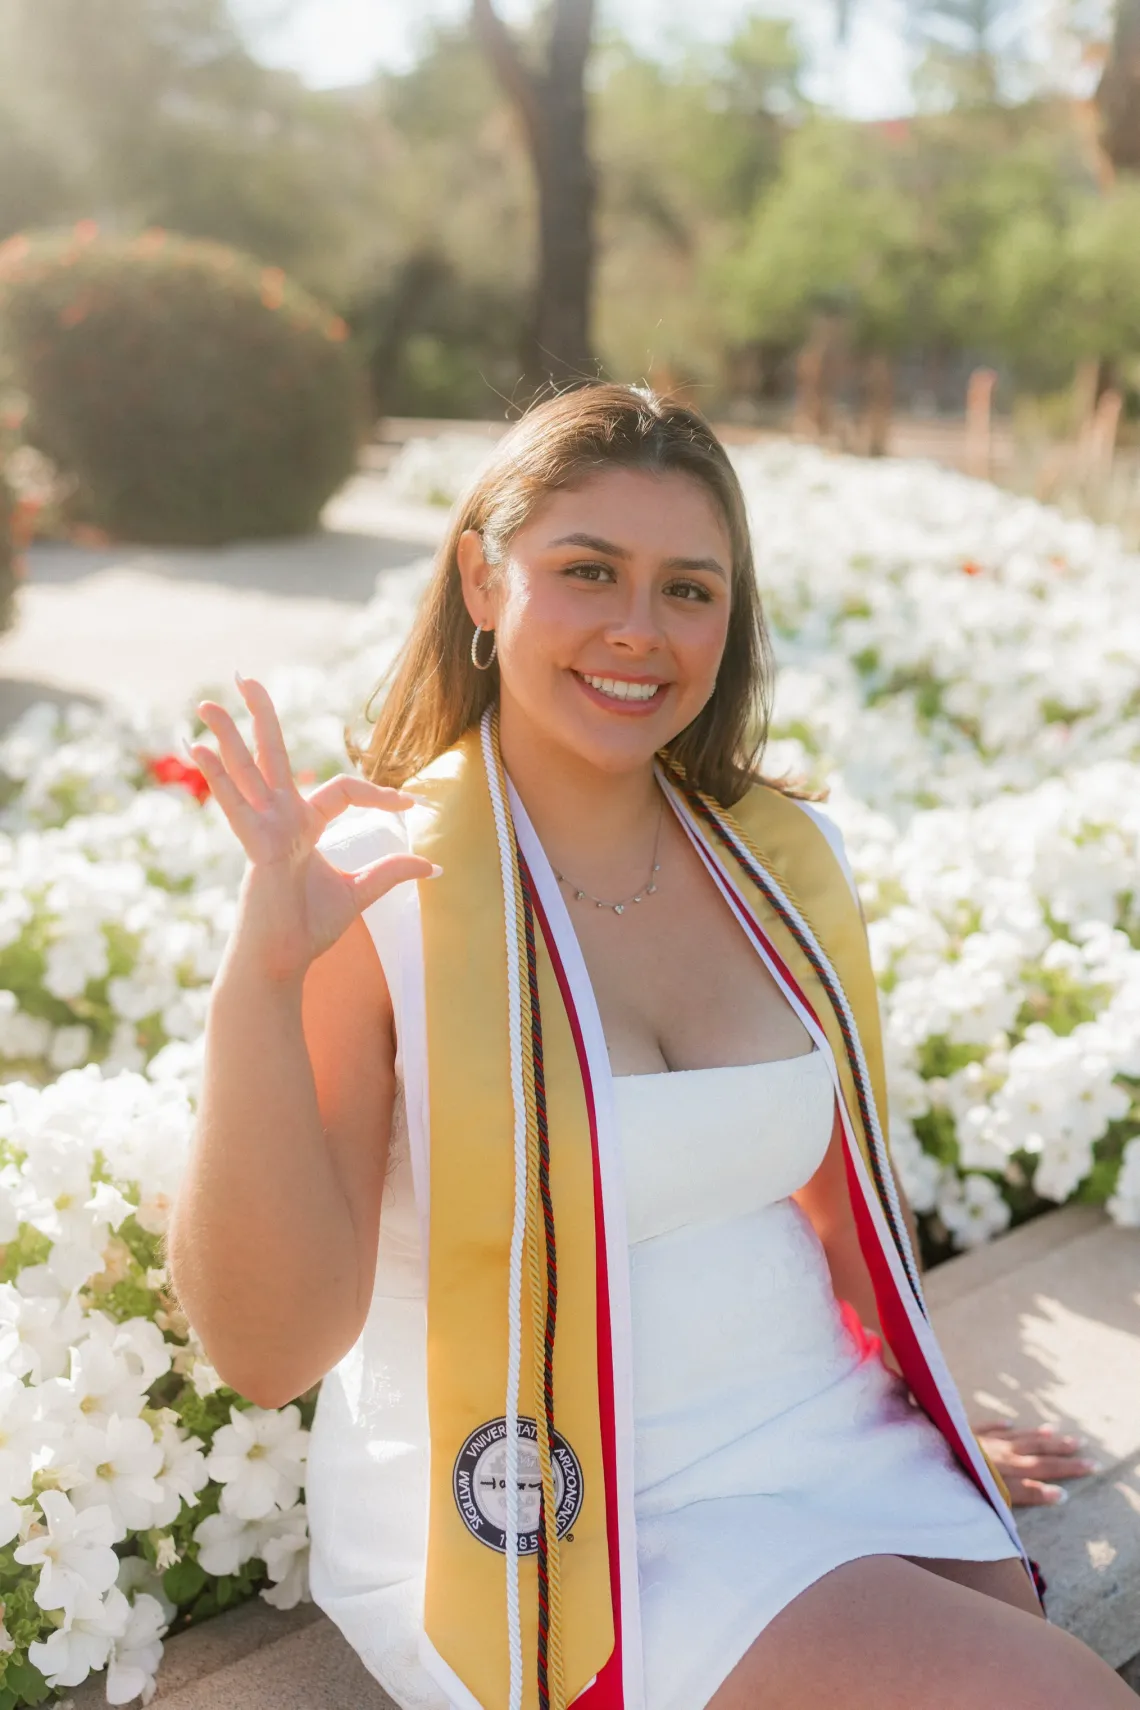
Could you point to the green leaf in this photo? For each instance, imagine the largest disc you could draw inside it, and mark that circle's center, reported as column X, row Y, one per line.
column 26, row 1682
column 183, row 1581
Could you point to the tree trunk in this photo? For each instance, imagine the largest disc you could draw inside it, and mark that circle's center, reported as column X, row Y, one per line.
column 878, row 403
column 1118, row 94
column 552, row 109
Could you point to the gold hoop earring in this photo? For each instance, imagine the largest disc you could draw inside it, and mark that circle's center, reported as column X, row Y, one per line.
column 483, row 664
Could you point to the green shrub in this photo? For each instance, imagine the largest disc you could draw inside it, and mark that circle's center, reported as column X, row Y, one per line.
column 193, row 395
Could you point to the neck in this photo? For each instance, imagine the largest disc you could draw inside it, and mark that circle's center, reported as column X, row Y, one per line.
column 596, row 826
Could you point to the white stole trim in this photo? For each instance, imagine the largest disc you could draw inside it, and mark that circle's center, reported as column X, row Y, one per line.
column 616, row 1236
column 507, row 871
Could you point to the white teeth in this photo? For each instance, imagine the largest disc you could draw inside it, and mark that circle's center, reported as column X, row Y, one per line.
column 622, row 691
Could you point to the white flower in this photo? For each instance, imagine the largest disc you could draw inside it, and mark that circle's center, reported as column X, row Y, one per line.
column 83, row 1645
column 73, row 961
column 101, row 1383
column 259, row 1458
column 25, row 1437
column 74, row 1554
column 22, row 1036
column 1124, row 1206
column 119, row 1463
column 205, row 1379
column 283, row 1546
column 37, row 1325
column 182, row 1474
column 137, row 1652
column 137, row 1575
column 973, row 1209
column 70, row 1047
column 225, row 1542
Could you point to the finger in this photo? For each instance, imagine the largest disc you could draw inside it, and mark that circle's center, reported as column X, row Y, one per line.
column 1044, row 1443
column 241, row 815
column 1053, row 1466
column 272, row 754
column 374, row 882
column 1031, row 1493
column 991, row 1427
column 347, row 790
column 236, row 757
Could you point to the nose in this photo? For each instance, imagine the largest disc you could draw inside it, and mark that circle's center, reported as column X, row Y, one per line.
column 636, row 627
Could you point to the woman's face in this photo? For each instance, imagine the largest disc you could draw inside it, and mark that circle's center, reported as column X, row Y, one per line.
column 610, row 612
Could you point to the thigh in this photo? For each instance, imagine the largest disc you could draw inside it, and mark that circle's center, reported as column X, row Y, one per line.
column 882, row 1633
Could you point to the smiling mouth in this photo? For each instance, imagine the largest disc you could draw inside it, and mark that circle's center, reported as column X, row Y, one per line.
column 618, row 689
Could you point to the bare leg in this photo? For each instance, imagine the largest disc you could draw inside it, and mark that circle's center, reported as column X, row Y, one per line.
column 886, row 1634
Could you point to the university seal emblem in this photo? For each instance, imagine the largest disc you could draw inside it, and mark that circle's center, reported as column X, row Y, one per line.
column 480, row 1484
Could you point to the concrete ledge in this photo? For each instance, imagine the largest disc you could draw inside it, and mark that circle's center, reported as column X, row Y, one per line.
column 1044, row 1326
column 258, row 1658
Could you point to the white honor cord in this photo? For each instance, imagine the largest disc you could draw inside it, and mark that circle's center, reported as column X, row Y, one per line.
column 518, row 1227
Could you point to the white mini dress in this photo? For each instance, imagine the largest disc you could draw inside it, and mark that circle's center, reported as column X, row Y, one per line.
column 772, row 1443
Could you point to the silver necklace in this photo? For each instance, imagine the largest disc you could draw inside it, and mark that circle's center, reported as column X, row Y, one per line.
column 646, row 890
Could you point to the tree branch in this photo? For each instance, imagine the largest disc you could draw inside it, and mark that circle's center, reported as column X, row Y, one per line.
column 518, row 83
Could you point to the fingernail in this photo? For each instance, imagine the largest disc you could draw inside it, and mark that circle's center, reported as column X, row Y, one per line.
column 1090, row 1466
column 421, row 801
column 437, row 873
column 239, row 679
column 1056, row 1493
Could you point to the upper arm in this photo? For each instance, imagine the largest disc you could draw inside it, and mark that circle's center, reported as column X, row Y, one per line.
column 835, row 841
column 825, row 1196
column 348, row 1022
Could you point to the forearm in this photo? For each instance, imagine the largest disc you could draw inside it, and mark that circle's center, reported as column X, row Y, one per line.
column 262, row 1243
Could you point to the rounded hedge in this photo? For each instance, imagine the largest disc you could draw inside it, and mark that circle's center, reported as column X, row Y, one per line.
column 194, row 396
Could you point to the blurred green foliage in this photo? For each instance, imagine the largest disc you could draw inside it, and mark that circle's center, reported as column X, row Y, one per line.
column 730, row 211
column 192, row 394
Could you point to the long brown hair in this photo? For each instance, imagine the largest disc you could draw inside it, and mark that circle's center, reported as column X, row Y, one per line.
column 435, row 694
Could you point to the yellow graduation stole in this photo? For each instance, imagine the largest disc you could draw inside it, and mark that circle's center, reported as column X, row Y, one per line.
column 531, row 1577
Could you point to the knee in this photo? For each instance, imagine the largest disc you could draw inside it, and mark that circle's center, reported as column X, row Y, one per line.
column 1058, row 1672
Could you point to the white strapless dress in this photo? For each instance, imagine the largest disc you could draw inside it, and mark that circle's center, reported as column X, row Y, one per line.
column 772, row 1443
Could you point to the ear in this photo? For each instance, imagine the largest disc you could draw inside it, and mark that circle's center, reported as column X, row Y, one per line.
column 480, row 593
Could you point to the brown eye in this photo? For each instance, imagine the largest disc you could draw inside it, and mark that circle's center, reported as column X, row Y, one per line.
column 588, row 572
column 695, row 592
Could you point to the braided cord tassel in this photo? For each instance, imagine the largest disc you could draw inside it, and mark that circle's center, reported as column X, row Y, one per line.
column 544, row 1308
column 543, row 1290
column 749, row 858
column 504, row 833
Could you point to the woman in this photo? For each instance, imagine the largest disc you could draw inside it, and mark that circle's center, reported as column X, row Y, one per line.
column 621, row 1381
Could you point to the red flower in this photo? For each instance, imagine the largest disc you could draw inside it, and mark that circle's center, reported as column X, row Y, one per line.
column 169, row 769
column 969, row 568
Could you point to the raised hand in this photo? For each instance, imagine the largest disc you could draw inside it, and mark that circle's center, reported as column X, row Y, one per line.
column 294, row 904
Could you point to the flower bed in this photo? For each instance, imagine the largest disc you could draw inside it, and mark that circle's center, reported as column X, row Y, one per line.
column 960, row 666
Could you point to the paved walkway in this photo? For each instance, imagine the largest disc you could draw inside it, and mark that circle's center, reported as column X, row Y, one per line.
column 162, row 623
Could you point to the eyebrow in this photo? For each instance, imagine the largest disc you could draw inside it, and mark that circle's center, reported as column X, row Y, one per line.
column 594, row 543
